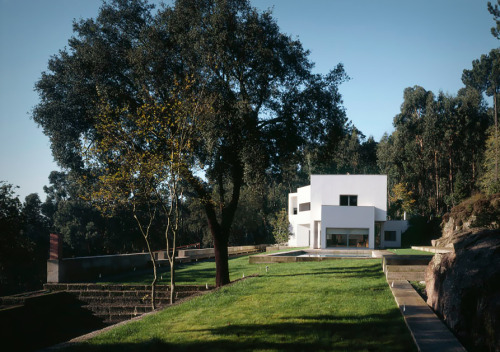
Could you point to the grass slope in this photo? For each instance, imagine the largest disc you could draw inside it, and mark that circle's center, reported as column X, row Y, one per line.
column 334, row 305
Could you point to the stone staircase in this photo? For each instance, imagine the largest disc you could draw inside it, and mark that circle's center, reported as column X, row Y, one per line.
column 405, row 267
column 405, row 272
column 115, row 303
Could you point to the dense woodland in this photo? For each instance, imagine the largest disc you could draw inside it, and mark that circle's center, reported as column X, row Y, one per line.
column 444, row 148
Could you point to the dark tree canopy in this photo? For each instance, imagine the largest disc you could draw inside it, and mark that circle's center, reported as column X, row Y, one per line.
column 485, row 77
column 495, row 11
column 437, row 147
column 267, row 104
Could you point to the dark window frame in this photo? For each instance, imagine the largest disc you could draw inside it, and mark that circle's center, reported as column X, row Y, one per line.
column 392, row 234
column 348, row 200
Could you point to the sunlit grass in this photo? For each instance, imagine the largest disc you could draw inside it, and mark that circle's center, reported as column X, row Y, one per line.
column 336, row 305
column 408, row 251
column 196, row 273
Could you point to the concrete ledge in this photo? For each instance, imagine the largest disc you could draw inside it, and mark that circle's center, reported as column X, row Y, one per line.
column 431, row 249
column 207, row 253
column 394, row 259
column 288, row 257
column 428, row 331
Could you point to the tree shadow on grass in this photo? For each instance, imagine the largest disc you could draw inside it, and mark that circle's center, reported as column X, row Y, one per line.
column 375, row 332
column 181, row 276
column 371, row 271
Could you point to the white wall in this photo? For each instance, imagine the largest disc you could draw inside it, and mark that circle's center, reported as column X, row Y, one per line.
column 399, row 226
column 370, row 189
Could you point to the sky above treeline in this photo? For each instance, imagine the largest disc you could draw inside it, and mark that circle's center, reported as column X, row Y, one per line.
column 385, row 46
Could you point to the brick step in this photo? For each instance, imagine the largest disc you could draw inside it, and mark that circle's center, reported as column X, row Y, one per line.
column 410, row 276
column 115, row 287
column 116, row 309
column 119, row 293
column 406, row 268
column 131, row 301
column 11, row 301
column 128, row 301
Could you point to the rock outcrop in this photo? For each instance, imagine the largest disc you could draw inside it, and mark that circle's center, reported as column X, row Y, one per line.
column 479, row 211
column 463, row 286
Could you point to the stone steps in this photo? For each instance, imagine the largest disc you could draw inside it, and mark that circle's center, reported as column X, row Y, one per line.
column 20, row 299
column 410, row 268
column 409, row 276
column 114, row 303
column 406, row 268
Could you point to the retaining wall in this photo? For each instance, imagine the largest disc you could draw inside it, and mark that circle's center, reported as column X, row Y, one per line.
column 90, row 269
column 210, row 253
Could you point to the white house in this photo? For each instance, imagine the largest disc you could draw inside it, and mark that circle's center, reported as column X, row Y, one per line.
column 342, row 211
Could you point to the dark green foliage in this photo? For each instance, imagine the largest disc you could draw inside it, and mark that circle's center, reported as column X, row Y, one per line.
column 437, row 147
column 267, row 105
column 421, row 231
column 485, row 77
column 24, row 236
column 85, row 230
column 495, row 11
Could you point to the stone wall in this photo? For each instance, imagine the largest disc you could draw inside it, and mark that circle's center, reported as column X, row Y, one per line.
column 463, row 287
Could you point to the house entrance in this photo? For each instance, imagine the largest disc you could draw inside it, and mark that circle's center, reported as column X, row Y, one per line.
column 348, row 238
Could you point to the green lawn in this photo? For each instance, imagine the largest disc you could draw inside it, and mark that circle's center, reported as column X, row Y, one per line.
column 334, row 305
column 196, row 273
column 409, row 251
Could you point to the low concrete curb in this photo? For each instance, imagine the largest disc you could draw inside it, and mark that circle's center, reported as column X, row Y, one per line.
column 428, row 331
column 432, row 249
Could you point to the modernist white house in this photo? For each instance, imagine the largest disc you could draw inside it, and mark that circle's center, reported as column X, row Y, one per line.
column 343, row 211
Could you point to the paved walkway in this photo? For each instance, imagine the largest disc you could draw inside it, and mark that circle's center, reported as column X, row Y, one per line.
column 428, row 331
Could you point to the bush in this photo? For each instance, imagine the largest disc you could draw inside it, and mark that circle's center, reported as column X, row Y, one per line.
column 421, row 231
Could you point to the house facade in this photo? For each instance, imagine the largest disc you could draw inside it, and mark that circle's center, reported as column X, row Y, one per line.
column 348, row 211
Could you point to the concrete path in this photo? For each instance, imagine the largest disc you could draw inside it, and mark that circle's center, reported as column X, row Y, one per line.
column 428, row 331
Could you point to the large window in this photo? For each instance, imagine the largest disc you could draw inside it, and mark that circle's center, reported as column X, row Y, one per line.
column 390, row 236
column 348, row 200
column 346, row 237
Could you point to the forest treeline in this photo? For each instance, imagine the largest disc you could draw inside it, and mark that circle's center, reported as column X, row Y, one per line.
column 444, row 148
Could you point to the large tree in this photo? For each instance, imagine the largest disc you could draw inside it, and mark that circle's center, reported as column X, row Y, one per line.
column 485, row 77
column 266, row 103
column 436, row 148
column 495, row 11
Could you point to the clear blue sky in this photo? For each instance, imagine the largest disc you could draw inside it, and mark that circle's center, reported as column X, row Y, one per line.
column 385, row 45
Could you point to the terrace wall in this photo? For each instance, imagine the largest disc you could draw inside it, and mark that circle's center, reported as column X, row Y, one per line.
column 91, row 269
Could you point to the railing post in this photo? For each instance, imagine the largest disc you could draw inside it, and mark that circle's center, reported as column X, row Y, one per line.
column 55, row 256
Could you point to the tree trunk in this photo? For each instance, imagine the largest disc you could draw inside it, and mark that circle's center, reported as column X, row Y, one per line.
column 221, row 259
column 155, row 276
column 496, row 134
column 172, row 279
column 436, row 173
column 220, row 230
